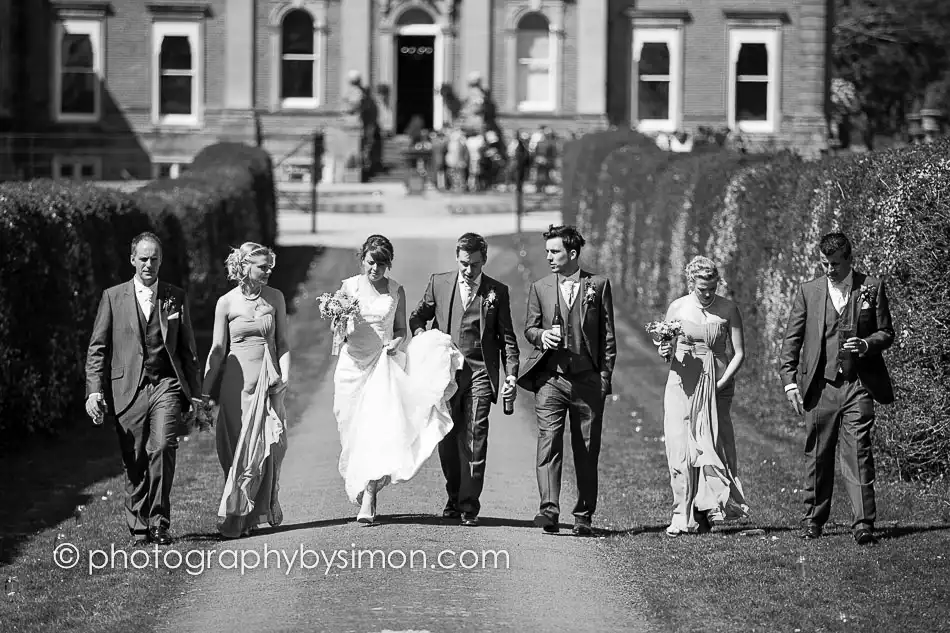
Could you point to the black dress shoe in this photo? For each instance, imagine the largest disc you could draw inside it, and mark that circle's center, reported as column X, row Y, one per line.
column 159, row 535
column 547, row 522
column 582, row 528
column 469, row 520
column 451, row 513
column 864, row 536
column 811, row 531
column 139, row 541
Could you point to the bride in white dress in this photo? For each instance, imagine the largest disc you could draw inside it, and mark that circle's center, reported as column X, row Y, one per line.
column 390, row 395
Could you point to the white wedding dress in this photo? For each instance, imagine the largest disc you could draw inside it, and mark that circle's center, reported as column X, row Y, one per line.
column 391, row 410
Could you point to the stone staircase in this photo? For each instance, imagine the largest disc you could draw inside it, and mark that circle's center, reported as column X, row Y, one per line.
column 392, row 158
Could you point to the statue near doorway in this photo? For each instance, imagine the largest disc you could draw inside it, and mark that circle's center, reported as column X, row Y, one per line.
column 363, row 112
column 478, row 113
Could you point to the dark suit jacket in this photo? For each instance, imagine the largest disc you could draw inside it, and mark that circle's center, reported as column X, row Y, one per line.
column 597, row 324
column 499, row 344
column 805, row 336
column 116, row 356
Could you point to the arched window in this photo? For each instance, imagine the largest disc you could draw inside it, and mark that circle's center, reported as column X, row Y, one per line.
column 535, row 54
column 177, row 72
column 298, row 60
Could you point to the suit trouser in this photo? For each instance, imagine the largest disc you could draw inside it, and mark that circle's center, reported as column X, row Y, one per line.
column 580, row 396
column 464, row 450
column 148, row 440
column 840, row 413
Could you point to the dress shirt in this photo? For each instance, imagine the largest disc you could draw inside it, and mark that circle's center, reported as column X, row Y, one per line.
column 468, row 291
column 840, row 292
column 569, row 286
column 145, row 296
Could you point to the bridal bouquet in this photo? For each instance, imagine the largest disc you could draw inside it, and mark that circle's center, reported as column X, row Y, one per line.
column 664, row 330
column 338, row 308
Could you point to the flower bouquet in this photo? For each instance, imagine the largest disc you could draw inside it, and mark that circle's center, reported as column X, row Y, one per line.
column 664, row 330
column 338, row 308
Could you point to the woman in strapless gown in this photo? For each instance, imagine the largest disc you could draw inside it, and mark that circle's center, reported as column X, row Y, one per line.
column 390, row 397
column 252, row 358
column 700, row 441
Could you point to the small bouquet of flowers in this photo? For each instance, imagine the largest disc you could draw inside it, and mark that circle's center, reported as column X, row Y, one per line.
column 338, row 308
column 662, row 331
column 205, row 416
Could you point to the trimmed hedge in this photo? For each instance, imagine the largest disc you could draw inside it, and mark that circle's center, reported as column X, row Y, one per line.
column 62, row 243
column 760, row 218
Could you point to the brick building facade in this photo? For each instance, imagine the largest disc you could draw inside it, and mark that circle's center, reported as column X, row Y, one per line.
column 134, row 88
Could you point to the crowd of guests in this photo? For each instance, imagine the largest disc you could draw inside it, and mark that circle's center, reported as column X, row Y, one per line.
column 492, row 160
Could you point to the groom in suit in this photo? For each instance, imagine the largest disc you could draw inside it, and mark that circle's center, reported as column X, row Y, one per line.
column 833, row 371
column 142, row 370
column 476, row 311
column 569, row 373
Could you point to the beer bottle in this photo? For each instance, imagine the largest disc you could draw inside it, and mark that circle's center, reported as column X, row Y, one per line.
column 557, row 323
column 509, row 406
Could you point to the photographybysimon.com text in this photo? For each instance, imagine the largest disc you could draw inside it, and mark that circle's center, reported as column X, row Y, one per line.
column 197, row 561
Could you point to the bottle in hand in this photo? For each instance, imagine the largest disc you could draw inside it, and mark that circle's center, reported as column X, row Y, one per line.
column 557, row 324
column 509, row 405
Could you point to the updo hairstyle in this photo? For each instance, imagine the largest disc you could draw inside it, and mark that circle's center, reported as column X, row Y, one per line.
column 379, row 248
column 237, row 263
column 701, row 269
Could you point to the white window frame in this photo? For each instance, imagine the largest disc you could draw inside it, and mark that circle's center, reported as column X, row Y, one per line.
column 552, row 66
column 77, row 162
column 317, row 59
column 673, row 38
column 772, row 38
column 176, row 163
column 194, row 31
column 92, row 28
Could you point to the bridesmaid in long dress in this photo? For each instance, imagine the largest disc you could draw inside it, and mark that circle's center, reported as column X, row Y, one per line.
column 700, row 441
column 251, row 357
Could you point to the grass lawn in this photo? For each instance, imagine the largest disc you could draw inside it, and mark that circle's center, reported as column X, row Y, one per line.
column 42, row 485
column 757, row 576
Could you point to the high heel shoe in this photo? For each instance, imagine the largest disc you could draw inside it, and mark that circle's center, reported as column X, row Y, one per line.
column 367, row 512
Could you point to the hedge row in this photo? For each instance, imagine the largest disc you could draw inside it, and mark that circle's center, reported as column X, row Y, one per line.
column 760, row 218
column 63, row 243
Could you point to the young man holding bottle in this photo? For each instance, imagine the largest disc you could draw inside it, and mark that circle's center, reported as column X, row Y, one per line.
column 570, row 323
column 475, row 310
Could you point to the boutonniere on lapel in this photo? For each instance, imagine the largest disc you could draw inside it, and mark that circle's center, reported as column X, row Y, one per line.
column 868, row 294
column 490, row 299
column 169, row 305
column 590, row 293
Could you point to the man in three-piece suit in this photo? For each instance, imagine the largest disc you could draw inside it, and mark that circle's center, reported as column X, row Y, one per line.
column 570, row 373
column 142, row 369
column 833, row 371
column 476, row 311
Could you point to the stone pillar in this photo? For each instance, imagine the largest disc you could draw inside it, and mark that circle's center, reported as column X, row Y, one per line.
column 239, row 55
column 355, row 28
column 448, row 68
column 384, row 74
column 592, row 57
column 476, row 35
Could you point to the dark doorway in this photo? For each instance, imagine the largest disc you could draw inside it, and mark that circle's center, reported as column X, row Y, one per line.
column 415, row 79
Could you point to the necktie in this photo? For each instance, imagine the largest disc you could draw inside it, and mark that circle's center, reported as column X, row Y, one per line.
column 146, row 300
column 569, row 291
column 469, row 293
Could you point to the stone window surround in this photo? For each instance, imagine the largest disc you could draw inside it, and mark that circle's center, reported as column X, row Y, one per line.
column 756, row 27
column 443, row 31
column 87, row 18
column 554, row 11
column 178, row 18
column 654, row 27
column 318, row 13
